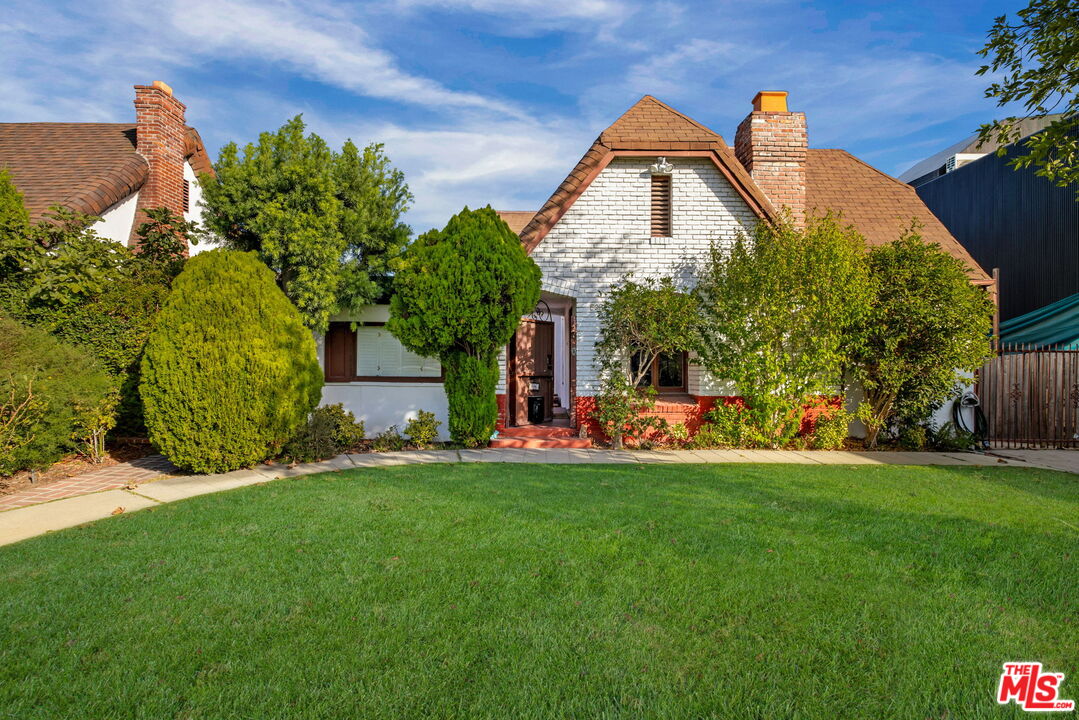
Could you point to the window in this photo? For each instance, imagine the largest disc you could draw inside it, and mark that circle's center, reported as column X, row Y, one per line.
column 667, row 373
column 661, row 206
column 380, row 355
column 371, row 353
column 187, row 196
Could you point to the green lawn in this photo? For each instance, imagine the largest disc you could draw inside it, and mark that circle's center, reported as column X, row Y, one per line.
column 519, row 591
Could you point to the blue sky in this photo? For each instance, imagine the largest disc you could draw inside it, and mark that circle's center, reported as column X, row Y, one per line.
column 493, row 101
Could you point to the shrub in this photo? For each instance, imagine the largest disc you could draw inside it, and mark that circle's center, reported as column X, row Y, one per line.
column 52, row 396
column 459, row 295
column 94, row 294
column 330, row 430
column 678, row 434
column 830, row 429
column 229, row 373
column 20, row 410
column 730, row 425
column 779, row 310
column 348, row 432
column 422, row 430
column 949, row 437
column 926, row 324
column 389, row 440
column 639, row 321
column 315, row 441
column 622, row 411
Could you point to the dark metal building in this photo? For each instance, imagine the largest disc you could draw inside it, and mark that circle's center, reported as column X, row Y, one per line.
column 1013, row 220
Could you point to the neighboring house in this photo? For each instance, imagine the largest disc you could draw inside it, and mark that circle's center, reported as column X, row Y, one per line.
column 110, row 170
column 650, row 197
column 1024, row 225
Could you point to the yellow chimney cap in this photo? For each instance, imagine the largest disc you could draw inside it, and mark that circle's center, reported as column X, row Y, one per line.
column 770, row 101
column 163, row 87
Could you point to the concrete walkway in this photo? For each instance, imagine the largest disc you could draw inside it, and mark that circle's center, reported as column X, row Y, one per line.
column 25, row 522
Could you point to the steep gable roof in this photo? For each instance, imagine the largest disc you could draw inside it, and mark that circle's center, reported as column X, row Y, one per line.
column 86, row 167
column 648, row 126
column 658, row 126
column 877, row 205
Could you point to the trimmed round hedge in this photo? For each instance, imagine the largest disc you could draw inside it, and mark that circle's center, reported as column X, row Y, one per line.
column 229, row 373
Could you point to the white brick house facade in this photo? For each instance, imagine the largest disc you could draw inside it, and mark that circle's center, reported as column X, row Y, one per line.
column 605, row 235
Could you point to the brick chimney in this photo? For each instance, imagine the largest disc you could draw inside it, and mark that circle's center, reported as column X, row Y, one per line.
column 160, row 137
column 771, row 143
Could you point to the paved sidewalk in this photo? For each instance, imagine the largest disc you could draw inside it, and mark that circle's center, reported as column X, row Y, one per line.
column 107, row 478
column 25, row 522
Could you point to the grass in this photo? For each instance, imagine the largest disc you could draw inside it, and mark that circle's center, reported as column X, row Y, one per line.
column 525, row 591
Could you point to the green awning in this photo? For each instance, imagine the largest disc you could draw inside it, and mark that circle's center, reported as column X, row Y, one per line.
column 1054, row 324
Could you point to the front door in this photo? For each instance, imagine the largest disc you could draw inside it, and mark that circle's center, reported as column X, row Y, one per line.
column 533, row 372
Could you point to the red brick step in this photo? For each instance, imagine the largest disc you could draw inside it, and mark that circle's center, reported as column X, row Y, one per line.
column 540, row 442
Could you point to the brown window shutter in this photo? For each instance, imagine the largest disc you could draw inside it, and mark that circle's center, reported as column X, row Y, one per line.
column 340, row 349
column 661, row 206
column 187, row 196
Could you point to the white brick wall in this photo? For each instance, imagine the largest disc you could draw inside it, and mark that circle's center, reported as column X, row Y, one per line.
column 606, row 234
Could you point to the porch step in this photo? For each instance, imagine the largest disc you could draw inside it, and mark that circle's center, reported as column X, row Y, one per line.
column 539, row 431
column 540, row 442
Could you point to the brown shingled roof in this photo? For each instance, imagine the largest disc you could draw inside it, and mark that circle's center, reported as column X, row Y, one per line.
column 87, row 167
column 648, row 126
column 877, row 205
column 516, row 219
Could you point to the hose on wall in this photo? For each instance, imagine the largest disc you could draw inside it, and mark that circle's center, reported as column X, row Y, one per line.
column 980, row 431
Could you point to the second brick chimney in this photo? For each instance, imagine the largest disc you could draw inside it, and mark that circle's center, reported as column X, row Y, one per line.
column 160, row 137
column 771, row 143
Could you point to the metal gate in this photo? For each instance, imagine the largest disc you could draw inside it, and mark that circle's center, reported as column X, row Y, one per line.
column 1030, row 397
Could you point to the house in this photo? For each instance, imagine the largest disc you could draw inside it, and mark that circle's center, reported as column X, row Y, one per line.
column 110, row 170
column 1015, row 221
column 650, row 196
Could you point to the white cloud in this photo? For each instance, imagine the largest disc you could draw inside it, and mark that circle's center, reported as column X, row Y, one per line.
column 532, row 14
column 317, row 41
column 511, row 165
column 48, row 54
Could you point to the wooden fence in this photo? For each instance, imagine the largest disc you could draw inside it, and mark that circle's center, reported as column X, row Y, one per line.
column 1030, row 397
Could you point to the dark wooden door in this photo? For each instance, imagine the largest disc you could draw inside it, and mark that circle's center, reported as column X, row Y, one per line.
column 533, row 368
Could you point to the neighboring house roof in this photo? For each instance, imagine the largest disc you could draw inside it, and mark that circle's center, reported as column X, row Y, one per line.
column 87, row 167
column 516, row 219
column 878, row 205
column 972, row 145
column 648, row 127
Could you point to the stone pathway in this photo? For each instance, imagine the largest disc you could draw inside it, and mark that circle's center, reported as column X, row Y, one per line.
column 106, row 478
column 103, row 494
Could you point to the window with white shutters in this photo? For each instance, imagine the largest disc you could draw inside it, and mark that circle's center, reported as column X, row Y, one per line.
column 380, row 355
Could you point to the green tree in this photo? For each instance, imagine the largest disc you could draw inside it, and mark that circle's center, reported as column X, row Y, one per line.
column 327, row 223
column 925, row 325
column 229, row 373
column 1039, row 56
column 459, row 295
column 777, row 313
column 639, row 322
column 95, row 293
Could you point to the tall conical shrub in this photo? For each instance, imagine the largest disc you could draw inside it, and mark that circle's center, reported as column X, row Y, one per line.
column 230, row 372
column 458, row 295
